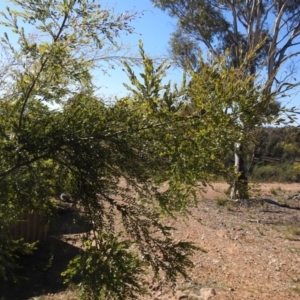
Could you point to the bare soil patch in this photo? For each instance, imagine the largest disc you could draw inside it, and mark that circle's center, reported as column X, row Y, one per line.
column 247, row 251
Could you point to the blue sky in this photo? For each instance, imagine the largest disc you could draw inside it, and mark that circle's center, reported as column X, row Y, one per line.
column 153, row 28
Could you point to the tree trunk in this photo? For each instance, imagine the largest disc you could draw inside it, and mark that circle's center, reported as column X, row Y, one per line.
column 239, row 188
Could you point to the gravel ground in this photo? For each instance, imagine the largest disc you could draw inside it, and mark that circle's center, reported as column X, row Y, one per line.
column 248, row 251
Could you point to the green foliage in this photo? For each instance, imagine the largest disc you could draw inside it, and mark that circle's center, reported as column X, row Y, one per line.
column 275, row 172
column 276, row 154
column 202, row 23
column 10, row 251
column 114, row 160
column 280, row 143
column 232, row 93
column 199, row 20
column 250, row 44
column 190, row 129
column 109, row 270
column 126, row 164
column 229, row 99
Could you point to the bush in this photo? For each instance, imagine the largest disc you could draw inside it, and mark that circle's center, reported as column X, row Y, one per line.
column 276, row 173
column 10, row 250
column 107, row 270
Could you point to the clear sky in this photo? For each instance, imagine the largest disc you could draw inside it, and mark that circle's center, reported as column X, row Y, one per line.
column 153, row 28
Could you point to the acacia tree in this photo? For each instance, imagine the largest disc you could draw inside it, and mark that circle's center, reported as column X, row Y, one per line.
column 82, row 147
column 114, row 160
column 269, row 28
column 230, row 94
column 125, row 165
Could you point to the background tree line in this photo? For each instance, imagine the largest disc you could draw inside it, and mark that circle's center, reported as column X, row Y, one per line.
column 276, row 154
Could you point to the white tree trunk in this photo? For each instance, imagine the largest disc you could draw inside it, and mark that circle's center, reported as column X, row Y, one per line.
column 239, row 189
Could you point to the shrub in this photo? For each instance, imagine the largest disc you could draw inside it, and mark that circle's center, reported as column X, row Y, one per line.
column 107, row 270
column 285, row 172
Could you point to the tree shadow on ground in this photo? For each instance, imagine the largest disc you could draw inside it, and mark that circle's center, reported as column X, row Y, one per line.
column 40, row 272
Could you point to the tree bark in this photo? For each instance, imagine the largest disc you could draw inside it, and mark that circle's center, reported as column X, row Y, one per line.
column 239, row 188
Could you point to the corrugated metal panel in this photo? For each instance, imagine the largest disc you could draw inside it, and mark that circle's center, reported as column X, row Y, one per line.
column 31, row 227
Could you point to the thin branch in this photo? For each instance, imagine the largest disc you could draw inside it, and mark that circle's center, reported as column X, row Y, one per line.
column 19, row 165
column 29, row 91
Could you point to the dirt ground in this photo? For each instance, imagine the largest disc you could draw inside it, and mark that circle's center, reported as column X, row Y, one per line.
column 248, row 251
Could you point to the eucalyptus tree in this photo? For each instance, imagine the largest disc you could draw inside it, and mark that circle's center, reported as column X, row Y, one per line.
column 269, row 28
column 274, row 26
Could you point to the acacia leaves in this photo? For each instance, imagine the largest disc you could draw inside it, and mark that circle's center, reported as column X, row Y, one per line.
column 183, row 138
column 230, row 93
column 112, row 273
column 57, row 59
column 125, row 164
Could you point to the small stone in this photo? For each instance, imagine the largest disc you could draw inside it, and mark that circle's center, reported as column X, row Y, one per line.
column 183, row 297
column 155, row 287
column 207, row 293
column 195, row 297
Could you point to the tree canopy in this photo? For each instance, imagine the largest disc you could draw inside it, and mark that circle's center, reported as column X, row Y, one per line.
column 125, row 164
column 260, row 37
column 219, row 25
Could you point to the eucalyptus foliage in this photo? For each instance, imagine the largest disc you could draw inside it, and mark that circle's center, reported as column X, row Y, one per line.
column 219, row 25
